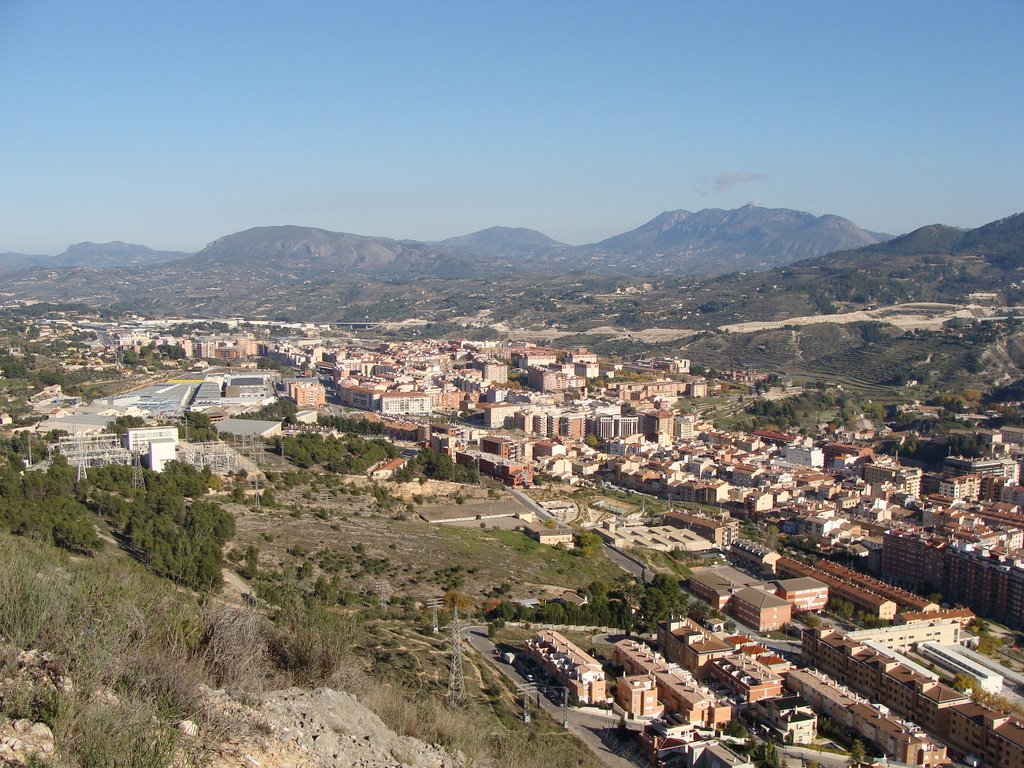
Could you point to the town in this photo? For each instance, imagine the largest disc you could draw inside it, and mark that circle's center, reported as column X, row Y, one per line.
column 842, row 599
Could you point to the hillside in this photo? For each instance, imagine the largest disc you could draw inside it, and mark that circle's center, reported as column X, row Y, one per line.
column 307, row 252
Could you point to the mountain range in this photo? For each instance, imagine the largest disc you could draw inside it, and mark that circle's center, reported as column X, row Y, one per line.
column 707, row 242
column 91, row 255
column 706, row 268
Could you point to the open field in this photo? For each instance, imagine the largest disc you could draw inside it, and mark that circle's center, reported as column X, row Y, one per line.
column 420, row 560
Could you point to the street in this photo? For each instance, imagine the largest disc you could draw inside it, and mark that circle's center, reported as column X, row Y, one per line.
column 794, row 757
column 533, row 506
column 628, row 565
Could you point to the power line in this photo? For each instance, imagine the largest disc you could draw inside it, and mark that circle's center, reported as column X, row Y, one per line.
column 456, row 675
column 433, row 604
column 138, row 481
column 527, row 691
column 383, row 587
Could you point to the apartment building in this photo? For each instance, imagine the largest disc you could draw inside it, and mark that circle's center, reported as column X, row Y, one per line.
column 760, row 609
column 755, row 557
column 790, row 719
column 492, row 371
column 307, row 393
column 863, row 600
column 722, row 532
column 1003, row 467
column 988, row 582
column 912, row 559
column 891, row 680
column 804, row 593
column 960, row 487
column 405, row 404
column 747, row 679
column 505, row 447
column 995, row 737
column 578, row 671
column 637, row 695
column 678, row 692
column 688, row 644
column 898, row 739
column 903, row 479
column 902, row 637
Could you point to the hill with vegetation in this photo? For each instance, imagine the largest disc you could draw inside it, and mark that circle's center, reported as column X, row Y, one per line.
column 122, row 644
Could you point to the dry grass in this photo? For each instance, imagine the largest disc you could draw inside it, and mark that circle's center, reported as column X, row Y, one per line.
column 138, row 648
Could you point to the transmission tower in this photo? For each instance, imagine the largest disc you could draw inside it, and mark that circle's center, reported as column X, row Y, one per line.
column 456, row 676
column 256, row 496
column 433, row 604
column 138, row 481
column 527, row 691
column 383, row 587
column 82, row 460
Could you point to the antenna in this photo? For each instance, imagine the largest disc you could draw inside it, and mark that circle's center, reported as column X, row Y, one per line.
column 456, row 676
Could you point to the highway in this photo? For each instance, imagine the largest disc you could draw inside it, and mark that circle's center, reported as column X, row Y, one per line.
column 589, row 728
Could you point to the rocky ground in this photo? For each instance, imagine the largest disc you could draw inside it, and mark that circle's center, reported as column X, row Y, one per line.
column 291, row 728
column 298, row 727
column 23, row 740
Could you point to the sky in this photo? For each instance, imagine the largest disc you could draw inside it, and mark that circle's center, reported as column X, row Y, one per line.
column 174, row 123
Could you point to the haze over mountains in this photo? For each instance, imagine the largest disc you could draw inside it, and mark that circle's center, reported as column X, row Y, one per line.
column 707, row 242
column 92, row 255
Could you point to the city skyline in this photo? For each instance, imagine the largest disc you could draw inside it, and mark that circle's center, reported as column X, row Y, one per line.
column 172, row 126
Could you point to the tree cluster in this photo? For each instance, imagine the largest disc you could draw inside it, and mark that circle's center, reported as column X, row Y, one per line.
column 167, row 526
column 346, row 455
column 45, row 505
column 437, row 466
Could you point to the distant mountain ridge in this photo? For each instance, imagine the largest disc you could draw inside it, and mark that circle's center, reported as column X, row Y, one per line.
column 707, row 242
column 310, row 252
column 713, row 241
column 505, row 242
column 113, row 254
column 91, row 255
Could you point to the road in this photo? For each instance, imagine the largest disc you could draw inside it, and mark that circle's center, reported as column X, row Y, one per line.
column 533, row 506
column 587, row 727
column 623, row 562
column 794, row 757
column 628, row 565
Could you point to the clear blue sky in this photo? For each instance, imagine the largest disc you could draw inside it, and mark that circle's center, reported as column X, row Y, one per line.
column 173, row 123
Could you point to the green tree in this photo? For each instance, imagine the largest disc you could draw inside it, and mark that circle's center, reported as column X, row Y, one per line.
column 857, row 752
